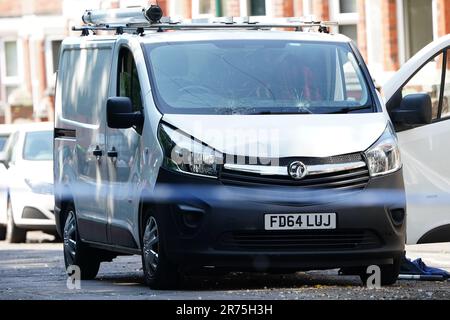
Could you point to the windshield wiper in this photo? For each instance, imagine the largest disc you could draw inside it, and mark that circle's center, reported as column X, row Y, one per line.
column 350, row 109
column 281, row 112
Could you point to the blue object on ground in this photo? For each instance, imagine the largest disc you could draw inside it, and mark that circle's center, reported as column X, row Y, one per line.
column 418, row 267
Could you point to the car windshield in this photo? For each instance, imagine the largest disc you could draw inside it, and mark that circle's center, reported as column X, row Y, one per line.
column 38, row 146
column 257, row 77
column 3, row 140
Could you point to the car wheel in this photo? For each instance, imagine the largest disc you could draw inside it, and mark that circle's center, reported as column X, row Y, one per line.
column 389, row 273
column 77, row 253
column 13, row 233
column 159, row 272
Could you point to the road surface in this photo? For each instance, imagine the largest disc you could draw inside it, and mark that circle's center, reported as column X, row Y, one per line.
column 35, row 271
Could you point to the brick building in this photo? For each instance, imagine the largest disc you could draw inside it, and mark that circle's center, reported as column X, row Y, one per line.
column 388, row 32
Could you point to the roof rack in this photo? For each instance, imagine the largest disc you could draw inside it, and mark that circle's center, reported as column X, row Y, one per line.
column 137, row 20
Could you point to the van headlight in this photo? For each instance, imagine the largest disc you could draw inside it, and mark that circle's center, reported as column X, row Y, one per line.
column 183, row 153
column 384, row 156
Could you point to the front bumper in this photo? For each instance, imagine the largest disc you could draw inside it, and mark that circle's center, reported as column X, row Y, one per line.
column 34, row 211
column 206, row 223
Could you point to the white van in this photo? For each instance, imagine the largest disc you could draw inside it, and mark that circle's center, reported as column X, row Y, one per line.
column 247, row 149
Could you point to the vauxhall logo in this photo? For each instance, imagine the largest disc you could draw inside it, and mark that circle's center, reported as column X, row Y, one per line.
column 297, row 170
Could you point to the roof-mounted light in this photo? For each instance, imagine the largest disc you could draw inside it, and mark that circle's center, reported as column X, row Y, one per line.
column 127, row 16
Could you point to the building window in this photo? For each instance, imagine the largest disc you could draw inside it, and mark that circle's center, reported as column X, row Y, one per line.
column 10, row 68
column 345, row 12
column 52, row 51
column 204, row 8
column 418, row 16
column 348, row 6
column 257, row 7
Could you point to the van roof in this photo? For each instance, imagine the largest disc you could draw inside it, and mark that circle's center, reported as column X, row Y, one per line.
column 234, row 34
column 242, row 35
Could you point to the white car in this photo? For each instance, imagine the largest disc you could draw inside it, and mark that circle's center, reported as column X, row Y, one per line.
column 5, row 132
column 30, row 201
column 425, row 148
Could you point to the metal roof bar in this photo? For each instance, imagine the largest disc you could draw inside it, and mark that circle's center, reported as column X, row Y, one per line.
column 139, row 19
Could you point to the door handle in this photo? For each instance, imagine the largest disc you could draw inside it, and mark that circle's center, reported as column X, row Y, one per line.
column 97, row 153
column 112, row 153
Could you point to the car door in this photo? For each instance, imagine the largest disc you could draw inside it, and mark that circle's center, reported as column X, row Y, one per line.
column 425, row 148
column 124, row 151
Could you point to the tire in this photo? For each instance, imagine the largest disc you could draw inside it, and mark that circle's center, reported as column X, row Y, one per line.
column 159, row 272
column 389, row 273
column 2, row 233
column 13, row 233
column 77, row 253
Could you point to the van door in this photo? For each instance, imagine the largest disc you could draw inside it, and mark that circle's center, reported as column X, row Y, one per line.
column 123, row 152
column 425, row 148
column 85, row 73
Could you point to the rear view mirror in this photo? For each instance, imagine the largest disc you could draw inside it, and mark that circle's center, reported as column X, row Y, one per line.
column 415, row 109
column 120, row 115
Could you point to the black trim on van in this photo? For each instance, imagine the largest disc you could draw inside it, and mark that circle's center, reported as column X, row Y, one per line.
column 65, row 133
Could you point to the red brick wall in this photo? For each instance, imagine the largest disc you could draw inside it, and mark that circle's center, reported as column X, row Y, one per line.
column 390, row 34
column 321, row 9
column 443, row 17
column 283, row 8
column 231, row 8
column 362, row 28
column 298, row 8
column 9, row 8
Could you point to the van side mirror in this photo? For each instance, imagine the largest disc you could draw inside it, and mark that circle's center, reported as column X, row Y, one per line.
column 120, row 115
column 415, row 109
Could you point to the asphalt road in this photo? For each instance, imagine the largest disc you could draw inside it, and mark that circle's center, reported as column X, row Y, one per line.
column 35, row 271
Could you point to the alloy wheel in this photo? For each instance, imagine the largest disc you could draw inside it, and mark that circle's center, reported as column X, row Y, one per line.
column 70, row 238
column 151, row 246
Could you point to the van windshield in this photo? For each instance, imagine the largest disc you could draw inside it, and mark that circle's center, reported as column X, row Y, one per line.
column 257, row 77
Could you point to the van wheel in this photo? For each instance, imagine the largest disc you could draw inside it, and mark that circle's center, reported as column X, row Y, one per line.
column 389, row 273
column 159, row 272
column 76, row 253
column 13, row 233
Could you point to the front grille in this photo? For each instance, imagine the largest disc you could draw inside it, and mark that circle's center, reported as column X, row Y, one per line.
column 300, row 240
column 342, row 180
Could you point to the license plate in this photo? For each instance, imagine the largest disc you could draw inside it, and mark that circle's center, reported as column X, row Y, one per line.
column 303, row 221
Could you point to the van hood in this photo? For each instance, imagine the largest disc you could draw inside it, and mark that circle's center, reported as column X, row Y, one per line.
column 280, row 136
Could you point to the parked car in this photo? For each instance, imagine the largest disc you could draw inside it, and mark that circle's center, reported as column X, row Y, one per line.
column 424, row 132
column 156, row 153
column 30, row 202
column 5, row 132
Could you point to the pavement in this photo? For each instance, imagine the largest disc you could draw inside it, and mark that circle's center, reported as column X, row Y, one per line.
column 35, row 270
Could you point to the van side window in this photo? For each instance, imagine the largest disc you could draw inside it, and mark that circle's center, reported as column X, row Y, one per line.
column 84, row 83
column 128, row 81
column 446, row 98
column 427, row 80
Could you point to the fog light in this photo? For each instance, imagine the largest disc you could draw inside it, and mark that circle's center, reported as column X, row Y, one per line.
column 398, row 216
